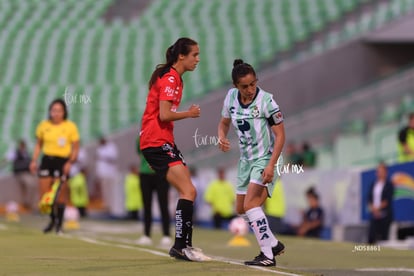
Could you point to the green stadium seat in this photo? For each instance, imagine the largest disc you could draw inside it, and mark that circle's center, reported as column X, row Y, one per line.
column 325, row 160
column 390, row 114
column 355, row 126
column 342, row 149
column 47, row 45
column 407, row 103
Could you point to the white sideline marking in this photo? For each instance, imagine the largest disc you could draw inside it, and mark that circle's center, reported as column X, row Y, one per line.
column 158, row 253
column 236, row 262
column 94, row 241
column 389, row 269
column 3, row 227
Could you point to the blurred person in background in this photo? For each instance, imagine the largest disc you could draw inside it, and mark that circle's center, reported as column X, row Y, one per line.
column 79, row 195
column 81, row 162
column 275, row 208
column 292, row 155
column 150, row 182
column 406, row 141
column 106, row 170
column 312, row 218
column 308, row 155
column 133, row 194
column 20, row 159
column 380, row 205
column 58, row 139
column 221, row 196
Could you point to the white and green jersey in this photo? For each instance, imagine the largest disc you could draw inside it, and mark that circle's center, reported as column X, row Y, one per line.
column 252, row 122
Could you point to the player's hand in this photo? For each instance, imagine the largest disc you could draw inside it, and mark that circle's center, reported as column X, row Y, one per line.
column 194, row 111
column 268, row 174
column 33, row 167
column 224, row 144
column 376, row 213
column 66, row 168
column 303, row 229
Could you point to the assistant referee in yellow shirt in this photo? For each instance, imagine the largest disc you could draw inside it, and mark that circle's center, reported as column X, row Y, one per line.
column 221, row 196
column 58, row 139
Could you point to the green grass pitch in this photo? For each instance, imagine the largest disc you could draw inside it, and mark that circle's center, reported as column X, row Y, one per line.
column 107, row 248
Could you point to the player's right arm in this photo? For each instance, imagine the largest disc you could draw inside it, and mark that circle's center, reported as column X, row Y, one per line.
column 224, row 124
column 36, row 153
column 223, row 129
column 167, row 115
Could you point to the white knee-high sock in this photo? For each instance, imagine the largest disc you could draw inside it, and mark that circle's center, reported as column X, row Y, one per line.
column 261, row 229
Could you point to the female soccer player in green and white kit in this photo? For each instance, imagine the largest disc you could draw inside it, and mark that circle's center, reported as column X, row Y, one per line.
column 259, row 125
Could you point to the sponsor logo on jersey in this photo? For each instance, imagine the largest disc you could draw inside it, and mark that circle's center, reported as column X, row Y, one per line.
column 169, row 91
column 171, row 79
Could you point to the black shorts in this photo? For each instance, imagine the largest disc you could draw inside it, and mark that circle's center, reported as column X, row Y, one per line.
column 52, row 166
column 161, row 158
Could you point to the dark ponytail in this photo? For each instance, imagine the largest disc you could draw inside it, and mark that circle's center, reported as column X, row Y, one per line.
column 181, row 47
column 241, row 69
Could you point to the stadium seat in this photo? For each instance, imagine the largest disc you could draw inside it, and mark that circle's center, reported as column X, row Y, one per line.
column 361, row 153
column 47, row 45
column 325, row 158
column 407, row 104
column 355, row 126
column 390, row 114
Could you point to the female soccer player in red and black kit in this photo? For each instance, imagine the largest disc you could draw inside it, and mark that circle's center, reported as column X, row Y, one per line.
column 157, row 138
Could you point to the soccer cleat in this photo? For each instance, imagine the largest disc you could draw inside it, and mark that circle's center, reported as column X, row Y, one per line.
column 278, row 249
column 59, row 229
column 189, row 254
column 195, row 254
column 49, row 227
column 178, row 254
column 261, row 260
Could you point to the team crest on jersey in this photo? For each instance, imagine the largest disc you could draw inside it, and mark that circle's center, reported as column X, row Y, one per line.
column 255, row 112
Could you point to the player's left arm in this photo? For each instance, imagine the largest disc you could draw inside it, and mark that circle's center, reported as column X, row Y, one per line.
column 279, row 132
column 74, row 153
column 72, row 158
column 74, row 138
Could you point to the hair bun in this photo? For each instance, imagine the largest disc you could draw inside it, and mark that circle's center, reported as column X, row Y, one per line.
column 237, row 62
column 171, row 49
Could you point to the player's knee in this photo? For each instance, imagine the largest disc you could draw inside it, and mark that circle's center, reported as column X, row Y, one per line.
column 189, row 193
column 193, row 192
